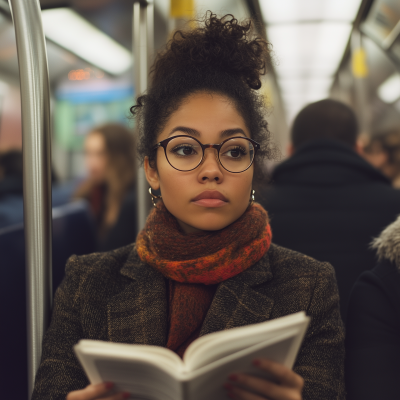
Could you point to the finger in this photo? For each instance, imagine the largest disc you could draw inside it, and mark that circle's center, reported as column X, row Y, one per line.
column 265, row 388
column 282, row 374
column 91, row 392
column 118, row 396
column 237, row 393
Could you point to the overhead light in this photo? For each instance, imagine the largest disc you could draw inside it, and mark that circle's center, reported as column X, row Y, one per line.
column 68, row 29
column 309, row 38
column 389, row 91
column 284, row 11
column 297, row 93
column 305, row 86
column 309, row 49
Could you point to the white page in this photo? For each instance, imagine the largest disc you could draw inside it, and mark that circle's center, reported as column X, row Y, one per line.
column 207, row 383
column 133, row 368
column 143, row 381
column 215, row 346
column 166, row 358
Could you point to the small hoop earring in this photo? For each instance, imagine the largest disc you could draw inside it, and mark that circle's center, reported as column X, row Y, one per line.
column 252, row 198
column 154, row 197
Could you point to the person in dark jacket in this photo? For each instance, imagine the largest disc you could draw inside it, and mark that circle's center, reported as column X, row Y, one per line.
column 373, row 325
column 326, row 201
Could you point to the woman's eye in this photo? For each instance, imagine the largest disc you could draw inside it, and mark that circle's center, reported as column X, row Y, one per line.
column 184, row 151
column 235, row 152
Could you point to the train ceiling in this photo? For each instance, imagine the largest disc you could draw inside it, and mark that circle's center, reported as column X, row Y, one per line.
column 309, row 39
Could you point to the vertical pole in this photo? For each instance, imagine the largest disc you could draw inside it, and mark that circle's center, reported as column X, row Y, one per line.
column 360, row 74
column 143, row 28
column 35, row 103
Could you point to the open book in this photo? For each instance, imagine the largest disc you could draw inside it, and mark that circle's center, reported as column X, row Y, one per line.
column 157, row 373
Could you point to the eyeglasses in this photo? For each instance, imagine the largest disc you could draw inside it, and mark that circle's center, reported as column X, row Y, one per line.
column 185, row 153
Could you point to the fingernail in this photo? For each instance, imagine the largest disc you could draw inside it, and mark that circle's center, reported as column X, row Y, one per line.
column 109, row 385
column 233, row 377
column 126, row 395
column 257, row 363
column 228, row 386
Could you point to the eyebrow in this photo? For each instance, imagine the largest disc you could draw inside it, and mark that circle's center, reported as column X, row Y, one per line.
column 193, row 132
column 184, row 129
column 231, row 132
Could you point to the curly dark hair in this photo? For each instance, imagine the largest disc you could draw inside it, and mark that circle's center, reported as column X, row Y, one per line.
column 219, row 56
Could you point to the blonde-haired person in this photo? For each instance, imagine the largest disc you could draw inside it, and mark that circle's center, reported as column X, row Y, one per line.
column 109, row 187
column 204, row 262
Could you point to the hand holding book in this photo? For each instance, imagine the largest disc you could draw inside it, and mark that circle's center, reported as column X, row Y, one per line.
column 286, row 384
column 103, row 391
column 156, row 373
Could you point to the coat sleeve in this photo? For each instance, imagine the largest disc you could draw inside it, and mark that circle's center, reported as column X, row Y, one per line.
column 372, row 342
column 321, row 358
column 59, row 371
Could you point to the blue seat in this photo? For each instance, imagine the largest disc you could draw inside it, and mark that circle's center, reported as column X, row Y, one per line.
column 73, row 233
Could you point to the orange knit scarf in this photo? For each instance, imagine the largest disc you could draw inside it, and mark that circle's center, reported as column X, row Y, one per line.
column 208, row 257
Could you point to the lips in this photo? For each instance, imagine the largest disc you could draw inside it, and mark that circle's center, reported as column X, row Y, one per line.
column 210, row 194
column 210, row 199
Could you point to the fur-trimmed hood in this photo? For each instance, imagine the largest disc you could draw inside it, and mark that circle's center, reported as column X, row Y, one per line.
column 387, row 244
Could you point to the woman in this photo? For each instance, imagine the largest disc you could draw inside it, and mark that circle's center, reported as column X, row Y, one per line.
column 373, row 325
column 204, row 261
column 109, row 188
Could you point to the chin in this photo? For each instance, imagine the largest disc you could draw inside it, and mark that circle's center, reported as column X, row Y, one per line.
column 210, row 222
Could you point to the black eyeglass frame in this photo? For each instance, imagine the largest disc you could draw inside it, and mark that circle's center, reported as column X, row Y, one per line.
column 164, row 144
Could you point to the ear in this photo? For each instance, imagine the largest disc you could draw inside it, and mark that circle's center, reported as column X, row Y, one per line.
column 290, row 149
column 151, row 175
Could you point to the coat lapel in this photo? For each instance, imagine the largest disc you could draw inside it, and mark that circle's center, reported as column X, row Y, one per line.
column 237, row 303
column 138, row 314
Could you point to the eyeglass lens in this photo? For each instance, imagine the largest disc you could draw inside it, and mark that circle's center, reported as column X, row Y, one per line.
column 185, row 153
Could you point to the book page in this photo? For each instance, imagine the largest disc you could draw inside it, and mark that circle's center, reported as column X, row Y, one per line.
column 143, row 381
column 207, row 383
column 147, row 372
column 215, row 346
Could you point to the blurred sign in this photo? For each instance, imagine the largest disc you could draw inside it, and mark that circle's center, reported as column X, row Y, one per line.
column 84, row 74
column 86, row 100
column 182, row 9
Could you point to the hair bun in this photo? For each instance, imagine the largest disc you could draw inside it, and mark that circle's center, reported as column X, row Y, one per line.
column 221, row 44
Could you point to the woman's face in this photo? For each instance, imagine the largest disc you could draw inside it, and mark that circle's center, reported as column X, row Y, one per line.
column 96, row 159
column 208, row 118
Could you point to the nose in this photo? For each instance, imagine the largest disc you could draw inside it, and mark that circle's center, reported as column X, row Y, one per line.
column 210, row 168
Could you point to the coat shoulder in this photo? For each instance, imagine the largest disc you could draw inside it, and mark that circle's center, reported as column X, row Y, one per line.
column 107, row 262
column 284, row 261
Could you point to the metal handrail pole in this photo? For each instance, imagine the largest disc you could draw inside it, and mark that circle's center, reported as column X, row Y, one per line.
column 150, row 35
column 36, row 138
column 143, row 27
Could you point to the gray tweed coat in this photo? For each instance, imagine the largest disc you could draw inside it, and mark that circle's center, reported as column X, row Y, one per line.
column 115, row 297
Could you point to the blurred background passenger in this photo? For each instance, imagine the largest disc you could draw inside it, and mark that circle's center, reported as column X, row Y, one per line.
column 326, row 201
column 109, row 187
column 383, row 152
column 373, row 325
column 11, row 188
